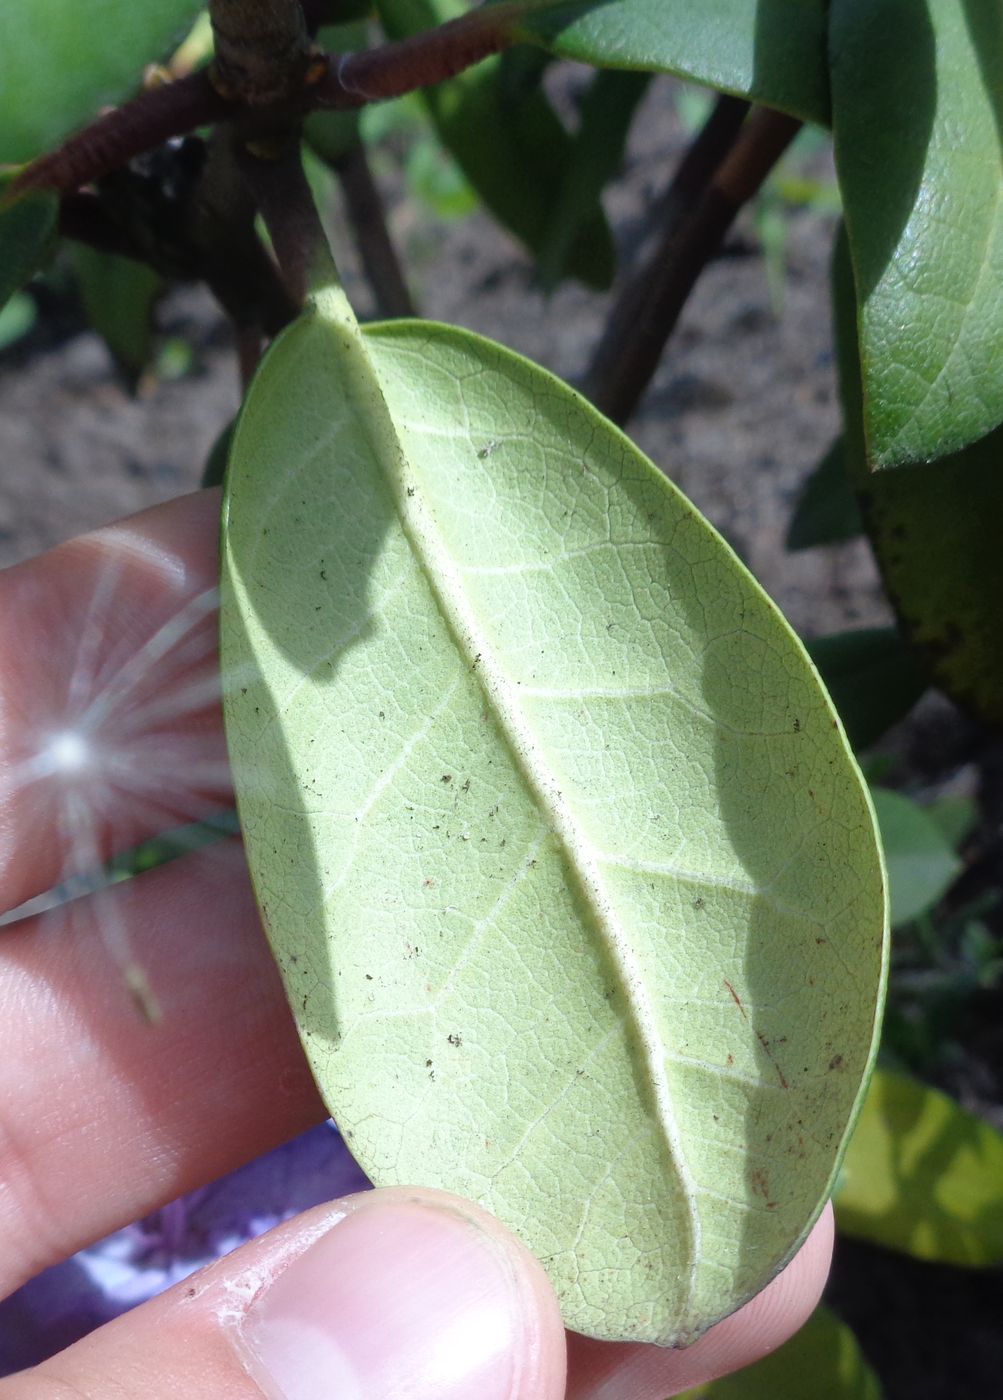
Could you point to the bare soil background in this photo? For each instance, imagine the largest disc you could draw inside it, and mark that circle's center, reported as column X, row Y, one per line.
column 742, row 408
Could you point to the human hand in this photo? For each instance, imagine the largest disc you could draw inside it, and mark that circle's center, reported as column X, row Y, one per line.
column 105, row 1115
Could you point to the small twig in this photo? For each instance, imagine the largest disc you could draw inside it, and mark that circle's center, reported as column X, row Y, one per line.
column 647, row 309
column 230, row 256
column 364, row 207
column 374, row 75
column 157, row 114
column 696, row 169
column 283, row 197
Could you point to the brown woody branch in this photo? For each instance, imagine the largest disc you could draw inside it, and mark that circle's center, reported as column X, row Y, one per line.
column 332, row 80
column 648, row 307
column 146, row 122
column 282, row 196
column 373, row 75
column 367, row 218
column 206, row 234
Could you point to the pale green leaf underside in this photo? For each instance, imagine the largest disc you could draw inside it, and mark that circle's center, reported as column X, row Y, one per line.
column 773, row 51
column 569, row 871
column 916, row 92
column 61, row 60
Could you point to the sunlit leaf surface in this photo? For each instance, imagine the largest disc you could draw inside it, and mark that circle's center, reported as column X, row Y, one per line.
column 568, row 868
column 917, row 93
column 773, row 51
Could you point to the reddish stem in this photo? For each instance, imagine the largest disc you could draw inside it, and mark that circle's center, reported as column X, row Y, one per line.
column 146, row 122
column 374, row 75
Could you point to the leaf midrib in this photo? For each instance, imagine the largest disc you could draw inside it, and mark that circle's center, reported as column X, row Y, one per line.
column 442, row 575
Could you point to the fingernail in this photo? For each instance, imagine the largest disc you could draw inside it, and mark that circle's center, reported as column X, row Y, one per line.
column 403, row 1299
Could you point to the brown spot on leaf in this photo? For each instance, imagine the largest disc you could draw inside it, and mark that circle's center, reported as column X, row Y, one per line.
column 759, row 1183
column 735, row 998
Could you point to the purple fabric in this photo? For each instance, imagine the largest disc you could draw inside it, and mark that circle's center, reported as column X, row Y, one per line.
column 71, row 1299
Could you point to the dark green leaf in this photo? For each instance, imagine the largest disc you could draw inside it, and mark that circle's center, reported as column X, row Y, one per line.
column 873, row 676
column 917, row 93
column 923, row 1176
column 511, row 146
column 119, row 296
column 821, row 1362
column 921, row 862
column 827, row 510
column 27, row 231
column 434, row 177
column 773, row 51
column 607, row 111
column 955, row 816
column 332, row 134
column 935, row 529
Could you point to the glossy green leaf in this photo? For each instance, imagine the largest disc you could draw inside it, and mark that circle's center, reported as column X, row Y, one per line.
column 873, row 676
column 827, row 510
column 935, row 532
column 562, row 853
column 923, row 1176
column 917, row 92
column 773, row 51
column 119, row 296
column 510, row 144
column 821, row 1362
column 27, row 233
column 921, row 862
column 62, row 60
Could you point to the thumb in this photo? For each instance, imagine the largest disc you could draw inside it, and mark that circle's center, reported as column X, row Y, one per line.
column 394, row 1293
